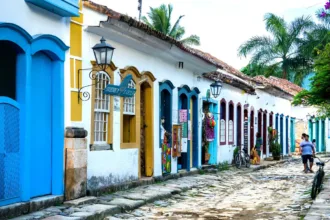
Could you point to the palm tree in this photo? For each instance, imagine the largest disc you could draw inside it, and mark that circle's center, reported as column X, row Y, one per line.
column 281, row 49
column 160, row 20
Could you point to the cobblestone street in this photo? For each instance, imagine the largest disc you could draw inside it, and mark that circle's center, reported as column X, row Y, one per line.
column 279, row 192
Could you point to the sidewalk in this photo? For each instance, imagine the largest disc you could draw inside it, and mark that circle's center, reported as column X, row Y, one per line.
column 320, row 208
column 122, row 201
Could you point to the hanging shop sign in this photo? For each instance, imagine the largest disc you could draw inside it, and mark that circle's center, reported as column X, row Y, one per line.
column 177, row 140
column 121, row 90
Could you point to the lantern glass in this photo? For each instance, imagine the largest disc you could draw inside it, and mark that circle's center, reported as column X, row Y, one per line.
column 103, row 54
column 216, row 88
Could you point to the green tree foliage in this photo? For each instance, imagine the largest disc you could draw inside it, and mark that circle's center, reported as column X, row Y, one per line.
column 319, row 94
column 281, row 50
column 160, row 20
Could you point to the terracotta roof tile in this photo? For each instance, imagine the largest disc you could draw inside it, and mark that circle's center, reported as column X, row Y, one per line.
column 282, row 84
column 142, row 26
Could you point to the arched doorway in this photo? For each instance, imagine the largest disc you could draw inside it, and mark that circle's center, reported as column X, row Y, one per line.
column 165, row 103
column 264, row 133
column 239, row 125
column 194, row 127
column 146, row 146
column 271, row 118
column 32, row 115
column 252, row 128
column 184, row 160
column 281, row 133
column 10, row 120
column 246, row 128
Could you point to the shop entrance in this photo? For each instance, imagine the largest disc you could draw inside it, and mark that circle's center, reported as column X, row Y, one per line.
column 183, row 160
column 264, row 133
column 146, row 147
column 251, row 129
column 165, row 125
column 209, row 133
column 194, row 132
column 9, row 124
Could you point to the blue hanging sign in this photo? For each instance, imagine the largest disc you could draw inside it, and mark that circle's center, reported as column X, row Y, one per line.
column 121, row 90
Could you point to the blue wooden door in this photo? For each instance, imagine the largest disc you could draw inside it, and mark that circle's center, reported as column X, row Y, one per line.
column 287, row 135
column 195, row 131
column 317, row 138
column 281, row 134
column 9, row 151
column 322, row 136
column 41, row 107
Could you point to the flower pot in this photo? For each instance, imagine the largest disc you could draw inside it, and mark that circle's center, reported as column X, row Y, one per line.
column 277, row 157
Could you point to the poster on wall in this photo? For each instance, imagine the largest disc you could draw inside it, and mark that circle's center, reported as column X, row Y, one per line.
column 189, row 130
column 184, row 145
column 183, row 115
column 177, row 141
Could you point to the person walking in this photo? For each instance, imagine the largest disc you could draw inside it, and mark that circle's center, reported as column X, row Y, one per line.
column 307, row 152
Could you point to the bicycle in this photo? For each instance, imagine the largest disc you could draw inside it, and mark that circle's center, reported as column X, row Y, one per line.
column 242, row 158
column 318, row 178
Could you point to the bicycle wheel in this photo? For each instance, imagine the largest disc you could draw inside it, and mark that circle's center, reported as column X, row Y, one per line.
column 238, row 162
column 315, row 186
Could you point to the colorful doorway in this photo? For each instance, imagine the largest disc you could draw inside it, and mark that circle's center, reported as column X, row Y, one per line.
column 165, row 103
column 251, row 128
column 146, row 146
column 32, row 106
column 210, row 148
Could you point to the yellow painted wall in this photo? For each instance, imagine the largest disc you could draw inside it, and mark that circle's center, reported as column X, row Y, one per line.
column 76, row 64
column 76, row 108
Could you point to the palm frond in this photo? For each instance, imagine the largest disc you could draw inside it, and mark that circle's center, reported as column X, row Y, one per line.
column 254, row 44
column 277, row 26
column 192, row 40
column 176, row 26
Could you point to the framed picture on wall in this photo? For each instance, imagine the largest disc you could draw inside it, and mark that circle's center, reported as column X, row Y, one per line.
column 177, row 140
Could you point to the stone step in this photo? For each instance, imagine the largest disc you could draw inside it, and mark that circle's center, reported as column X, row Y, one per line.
column 81, row 201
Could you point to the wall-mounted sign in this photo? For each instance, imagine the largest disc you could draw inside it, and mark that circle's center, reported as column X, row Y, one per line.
column 121, row 90
column 183, row 115
column 177, row 140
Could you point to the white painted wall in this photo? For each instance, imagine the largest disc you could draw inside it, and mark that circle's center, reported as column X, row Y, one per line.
column 122, row 163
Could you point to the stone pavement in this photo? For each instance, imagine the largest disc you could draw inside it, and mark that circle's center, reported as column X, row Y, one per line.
column 123, row 201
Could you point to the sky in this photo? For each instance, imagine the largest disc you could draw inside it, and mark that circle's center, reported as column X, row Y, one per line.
column 223, row 25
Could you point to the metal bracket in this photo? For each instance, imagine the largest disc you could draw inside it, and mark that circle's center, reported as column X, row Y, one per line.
column 85, row 96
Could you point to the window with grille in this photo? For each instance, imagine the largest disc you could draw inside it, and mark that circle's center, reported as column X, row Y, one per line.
column 101, row 109
column 129, row 103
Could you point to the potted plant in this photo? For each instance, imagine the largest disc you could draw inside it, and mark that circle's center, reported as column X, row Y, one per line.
column 275, row 147
column 276, row 150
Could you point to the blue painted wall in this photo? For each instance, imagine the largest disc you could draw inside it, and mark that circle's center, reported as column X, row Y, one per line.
column 213, row 146
column 30, row 88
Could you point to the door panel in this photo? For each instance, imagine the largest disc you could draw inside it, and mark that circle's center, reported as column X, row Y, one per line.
column 41, row 127
column 9, row 150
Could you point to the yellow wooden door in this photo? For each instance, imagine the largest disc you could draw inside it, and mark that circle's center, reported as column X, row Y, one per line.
column 149, row 163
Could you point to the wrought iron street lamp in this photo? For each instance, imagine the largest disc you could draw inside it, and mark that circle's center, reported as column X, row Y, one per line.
column 103, row 54
column 216, row 88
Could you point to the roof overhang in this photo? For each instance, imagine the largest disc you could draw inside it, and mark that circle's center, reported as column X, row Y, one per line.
column 132, row 37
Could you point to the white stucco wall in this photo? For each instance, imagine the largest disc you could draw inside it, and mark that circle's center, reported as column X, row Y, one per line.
column 122, row 164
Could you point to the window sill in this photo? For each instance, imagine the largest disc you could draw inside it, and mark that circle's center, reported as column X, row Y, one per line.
column 101, row 147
